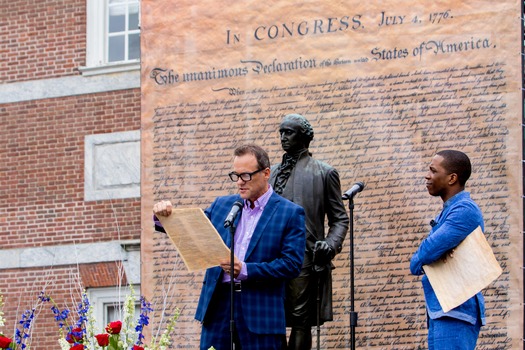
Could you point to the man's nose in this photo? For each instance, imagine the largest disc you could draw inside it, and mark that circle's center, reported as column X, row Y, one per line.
column 241, row 180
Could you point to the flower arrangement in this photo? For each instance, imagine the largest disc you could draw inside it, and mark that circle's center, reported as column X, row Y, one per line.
column 22, row 332
column 119, row 335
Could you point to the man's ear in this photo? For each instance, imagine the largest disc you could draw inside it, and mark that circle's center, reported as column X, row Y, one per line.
column 453, row 179
column 267, row 173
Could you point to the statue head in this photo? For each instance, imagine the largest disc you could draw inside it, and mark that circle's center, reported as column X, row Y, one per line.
column 296, row 133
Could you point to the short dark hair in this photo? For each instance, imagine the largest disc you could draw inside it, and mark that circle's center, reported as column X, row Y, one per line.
column 457, row 162
column 260, row 154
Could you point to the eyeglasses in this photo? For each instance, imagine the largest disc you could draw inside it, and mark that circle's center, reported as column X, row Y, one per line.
column 243, row 176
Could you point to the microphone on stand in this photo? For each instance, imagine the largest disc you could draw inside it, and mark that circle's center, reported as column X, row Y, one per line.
column 236, row 208
column 358, row 187
column 230, row 219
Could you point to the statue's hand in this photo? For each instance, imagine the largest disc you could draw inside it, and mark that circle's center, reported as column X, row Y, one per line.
column 323, row 253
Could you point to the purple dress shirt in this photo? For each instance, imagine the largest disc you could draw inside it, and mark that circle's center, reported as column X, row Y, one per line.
column 243, row 234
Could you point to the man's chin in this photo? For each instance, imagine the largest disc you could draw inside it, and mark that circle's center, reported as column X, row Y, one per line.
column 433, row 194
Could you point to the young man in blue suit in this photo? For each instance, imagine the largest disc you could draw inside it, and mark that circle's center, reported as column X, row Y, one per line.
column 269, row 249
column 458, row 328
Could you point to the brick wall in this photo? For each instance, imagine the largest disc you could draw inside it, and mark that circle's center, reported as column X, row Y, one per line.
column 41, row 39
column 41, row 198
column 42, row 166
column 42, row 163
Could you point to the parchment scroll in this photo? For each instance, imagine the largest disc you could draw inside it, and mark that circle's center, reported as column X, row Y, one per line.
column 197, row 241
column 470, row 268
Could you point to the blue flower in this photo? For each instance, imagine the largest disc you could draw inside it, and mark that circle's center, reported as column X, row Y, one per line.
column 83, row 309
column 43, row 297
column 145, row 309
column 21, row 335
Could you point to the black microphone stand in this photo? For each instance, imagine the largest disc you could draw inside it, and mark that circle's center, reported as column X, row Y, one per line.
column 353, row 314
column 232, row 285
column 318, row 271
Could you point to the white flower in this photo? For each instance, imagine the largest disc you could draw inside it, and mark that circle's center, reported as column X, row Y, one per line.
column 2, row 320
column 64, row 345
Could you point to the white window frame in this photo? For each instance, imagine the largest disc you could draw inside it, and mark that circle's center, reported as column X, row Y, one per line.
column 96, row 42
column 99, row 298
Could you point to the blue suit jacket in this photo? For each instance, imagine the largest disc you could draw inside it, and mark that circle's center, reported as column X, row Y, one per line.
column 275, row 254
column 460, row 216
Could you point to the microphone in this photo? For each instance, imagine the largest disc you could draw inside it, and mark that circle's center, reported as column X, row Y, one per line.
column 358, row 187
column 237, row 206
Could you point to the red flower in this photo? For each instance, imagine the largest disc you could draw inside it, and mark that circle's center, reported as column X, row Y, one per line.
column 114, row 327
column 136, row 347
column 102, row 339
column 5, row 342
column 77, row 347
column 75, row 336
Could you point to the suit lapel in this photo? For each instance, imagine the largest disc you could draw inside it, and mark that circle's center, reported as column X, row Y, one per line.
column 263, row 222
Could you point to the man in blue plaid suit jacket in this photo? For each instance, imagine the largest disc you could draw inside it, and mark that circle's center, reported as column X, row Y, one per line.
column 269, row 250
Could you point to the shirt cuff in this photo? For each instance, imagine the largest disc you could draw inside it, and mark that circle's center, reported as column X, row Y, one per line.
column 158, row 225
column 243, row 275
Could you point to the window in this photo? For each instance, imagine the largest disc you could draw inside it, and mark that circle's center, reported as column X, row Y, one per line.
column 108, row 303
column 113, row 36
column 123, row 42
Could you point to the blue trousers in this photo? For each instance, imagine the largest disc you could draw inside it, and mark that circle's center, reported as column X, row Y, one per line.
column 216, row 330
column 448, row 333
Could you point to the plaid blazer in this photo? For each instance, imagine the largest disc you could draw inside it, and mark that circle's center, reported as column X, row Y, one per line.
column 275, row 254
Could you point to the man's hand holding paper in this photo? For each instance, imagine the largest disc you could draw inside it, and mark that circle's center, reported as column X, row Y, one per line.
column 195, row 238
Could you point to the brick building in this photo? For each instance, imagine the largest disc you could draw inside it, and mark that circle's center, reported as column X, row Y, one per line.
column 69, row 157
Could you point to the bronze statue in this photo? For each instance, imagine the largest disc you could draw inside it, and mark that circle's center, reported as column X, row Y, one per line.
column 316, row 187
